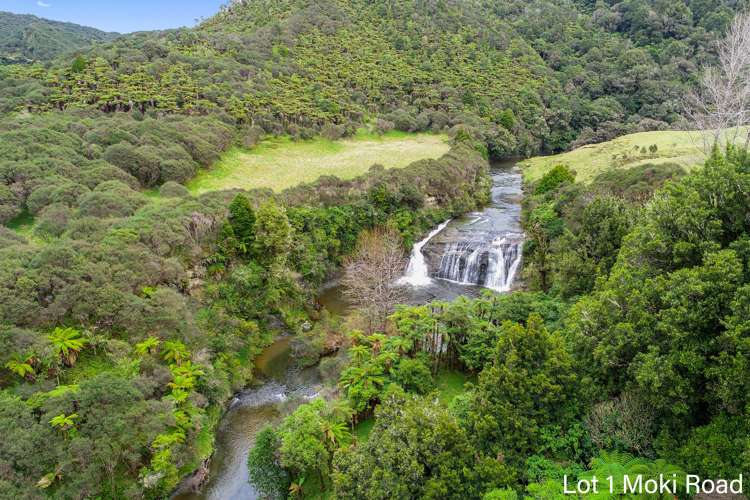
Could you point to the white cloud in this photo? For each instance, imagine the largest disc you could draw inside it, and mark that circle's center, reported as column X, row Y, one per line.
column 42, row 4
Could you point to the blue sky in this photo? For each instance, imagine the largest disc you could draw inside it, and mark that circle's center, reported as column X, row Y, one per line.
column 123, row 16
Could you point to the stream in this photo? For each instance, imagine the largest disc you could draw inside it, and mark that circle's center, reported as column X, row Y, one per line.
column 465, row 255
column 281, row 386
column 462, row 256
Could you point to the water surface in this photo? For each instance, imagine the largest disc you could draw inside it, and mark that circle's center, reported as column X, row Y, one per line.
column 281, row 385
column 468, row 243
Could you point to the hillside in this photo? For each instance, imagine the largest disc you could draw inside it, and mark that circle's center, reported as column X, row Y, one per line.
column 683, row 148
column 528, row 78
column 154, row 241
column 27, row 38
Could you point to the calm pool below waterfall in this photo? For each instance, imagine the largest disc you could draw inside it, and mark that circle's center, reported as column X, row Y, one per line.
column 459, row 257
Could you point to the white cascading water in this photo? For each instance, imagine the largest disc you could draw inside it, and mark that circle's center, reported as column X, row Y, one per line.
column 417, row 273
column 491, row 264
column 482, row 249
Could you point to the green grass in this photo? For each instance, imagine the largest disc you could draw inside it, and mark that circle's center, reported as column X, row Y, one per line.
column 363, row 429
column 450, row 384
column 682, row 147
column 280, row 163
column 23, row 225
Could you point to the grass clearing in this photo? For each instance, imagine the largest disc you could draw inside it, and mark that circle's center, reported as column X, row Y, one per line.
column 22, row 224
column 450, row 384
column 280, row 163
column 681, row 147
column 363, row 429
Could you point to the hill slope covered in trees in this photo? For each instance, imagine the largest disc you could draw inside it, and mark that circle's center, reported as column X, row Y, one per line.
column 27, row 38
column 531, row 77
column 127, row 322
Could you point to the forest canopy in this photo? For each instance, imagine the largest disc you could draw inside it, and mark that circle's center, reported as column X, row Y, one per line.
column 529, row 77
column 131, row 311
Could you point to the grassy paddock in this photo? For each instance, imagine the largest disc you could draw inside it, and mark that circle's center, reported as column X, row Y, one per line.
column 280, row 163
column 682, row 147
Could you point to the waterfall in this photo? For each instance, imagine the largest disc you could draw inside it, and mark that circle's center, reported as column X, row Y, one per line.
column 417, row 273
column 491, row 264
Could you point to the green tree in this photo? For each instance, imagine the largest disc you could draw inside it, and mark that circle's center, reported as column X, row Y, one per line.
column 504, row 494
column 21, row 368
column 64, row 422
column 557, row 176
column 175, row 352
column 79, row 64
column 414, row 374
column 148, row 346
column 306, row 448
column 531, row 383
column 265, row 470
column 406, row 458
column 363, row 385
column 242, row 220
column 273, row 234
column 618, row 466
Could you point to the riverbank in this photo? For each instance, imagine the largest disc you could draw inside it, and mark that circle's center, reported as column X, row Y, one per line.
column 279, row 387
column 283, row 388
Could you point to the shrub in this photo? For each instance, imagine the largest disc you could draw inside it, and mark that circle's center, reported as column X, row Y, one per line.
column 111, row 199
column 66, row 192
column 252, row 136
column 559, row 175
column 384, row 126
column 9, row 204
column 142, row 163
column 53, row 219
column 414, row 375
column 333, row 132
column 624, row 424
column 403, row 121
column 172, row 189
column 176, row 170
column 102, row 171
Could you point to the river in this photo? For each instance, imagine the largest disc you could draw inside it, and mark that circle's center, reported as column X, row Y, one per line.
column 462, row 256
column 465, row 255
column 279, row 388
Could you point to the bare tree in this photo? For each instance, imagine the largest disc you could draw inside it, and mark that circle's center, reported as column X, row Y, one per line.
column 625, row 421
column 370, row 275
column 721, row 104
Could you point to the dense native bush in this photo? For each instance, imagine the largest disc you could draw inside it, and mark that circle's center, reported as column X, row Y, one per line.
column 689, row 286
column 126, row 324
column 671, row 313
column 575, row 231
column 438, row 459
column 172, row 189
column 110, row 199
column 461, row 443
column 58, row 157
column 172, row 300
column 643, row 372
column 544, row 73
